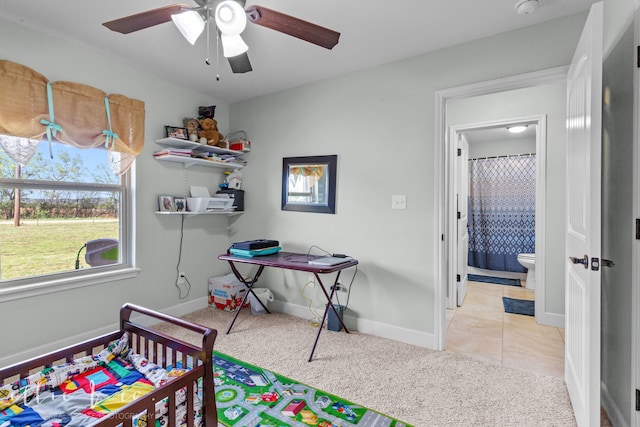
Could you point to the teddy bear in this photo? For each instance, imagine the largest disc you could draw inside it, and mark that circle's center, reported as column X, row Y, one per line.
column 210, row 133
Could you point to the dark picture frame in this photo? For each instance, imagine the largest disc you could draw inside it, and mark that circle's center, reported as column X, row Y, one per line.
column 309, row 184
column 176, row 132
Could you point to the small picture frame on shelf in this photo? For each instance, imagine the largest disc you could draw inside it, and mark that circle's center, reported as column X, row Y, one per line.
column 180, row 203
column 166, row 203
column 177, row 132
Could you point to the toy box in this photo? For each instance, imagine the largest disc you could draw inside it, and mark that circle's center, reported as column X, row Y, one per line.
column 226, row 292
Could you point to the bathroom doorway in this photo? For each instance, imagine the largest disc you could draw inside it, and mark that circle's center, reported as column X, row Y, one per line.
column 478, row 324
column 494, row 186
column 492, row 143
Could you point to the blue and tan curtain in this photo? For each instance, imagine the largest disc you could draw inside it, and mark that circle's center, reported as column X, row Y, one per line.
column 33, row 108
column 502, row 198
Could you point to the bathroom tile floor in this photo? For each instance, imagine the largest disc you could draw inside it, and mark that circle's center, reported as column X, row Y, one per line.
column 480, row 328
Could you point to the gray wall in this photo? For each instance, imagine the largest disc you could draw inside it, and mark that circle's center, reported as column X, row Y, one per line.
column 59, row 317
column 380, row 123
column 548, row 99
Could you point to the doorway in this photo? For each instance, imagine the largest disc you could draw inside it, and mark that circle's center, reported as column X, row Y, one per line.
column 476, row 322
column 493, row 142
column 547, row 83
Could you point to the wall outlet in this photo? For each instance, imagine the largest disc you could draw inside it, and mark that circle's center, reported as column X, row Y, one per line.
column 181, row 277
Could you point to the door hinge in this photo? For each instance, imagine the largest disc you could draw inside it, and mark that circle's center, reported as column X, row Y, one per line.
column 637, row 228
column 459, row 215
column 637, row 400
column 443, row 237
column 459, row 151
column 457, row 277
column 638, row 56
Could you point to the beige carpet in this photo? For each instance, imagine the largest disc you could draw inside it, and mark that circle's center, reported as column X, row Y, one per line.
column 413, row 384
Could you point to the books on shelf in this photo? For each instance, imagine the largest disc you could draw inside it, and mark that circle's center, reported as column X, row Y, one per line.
column 222, row 158
column 172, row 152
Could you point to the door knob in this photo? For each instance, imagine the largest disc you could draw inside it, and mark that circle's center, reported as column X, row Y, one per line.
column 584, row 260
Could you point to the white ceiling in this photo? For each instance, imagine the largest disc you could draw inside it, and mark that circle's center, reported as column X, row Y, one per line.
column 499, row 133
column 373, row 32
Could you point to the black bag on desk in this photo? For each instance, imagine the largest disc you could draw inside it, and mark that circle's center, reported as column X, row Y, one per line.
column 252, row 245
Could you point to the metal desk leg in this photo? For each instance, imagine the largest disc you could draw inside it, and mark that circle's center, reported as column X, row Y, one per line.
column 249, row 285
column 326, row 310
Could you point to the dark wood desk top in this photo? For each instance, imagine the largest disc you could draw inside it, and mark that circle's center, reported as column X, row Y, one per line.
column 290, row 261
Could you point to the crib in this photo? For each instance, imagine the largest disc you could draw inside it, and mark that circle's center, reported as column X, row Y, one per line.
column 187, row 399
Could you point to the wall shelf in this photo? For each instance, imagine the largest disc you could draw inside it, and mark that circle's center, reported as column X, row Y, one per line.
column 191, row 161
column 188, row 161
column 189, row 145
column 189, row 214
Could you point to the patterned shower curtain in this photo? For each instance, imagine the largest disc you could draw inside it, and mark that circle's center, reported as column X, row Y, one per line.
column 502, row 197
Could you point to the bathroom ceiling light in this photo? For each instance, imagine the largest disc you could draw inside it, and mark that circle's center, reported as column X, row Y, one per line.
column 517, row 129
column 525, row 7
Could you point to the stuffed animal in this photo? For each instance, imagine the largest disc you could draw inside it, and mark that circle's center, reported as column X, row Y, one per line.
column 210, row 133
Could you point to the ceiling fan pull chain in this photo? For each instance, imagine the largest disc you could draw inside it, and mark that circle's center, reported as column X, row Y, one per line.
column 208, row 50
column 217, row 57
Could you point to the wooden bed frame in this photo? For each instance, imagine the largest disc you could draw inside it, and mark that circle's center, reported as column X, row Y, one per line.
column 158, row 348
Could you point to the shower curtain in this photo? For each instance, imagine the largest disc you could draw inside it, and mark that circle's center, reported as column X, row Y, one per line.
column 502, row 198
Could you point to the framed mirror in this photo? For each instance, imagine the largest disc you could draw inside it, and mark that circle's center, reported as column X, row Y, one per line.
column 309, row 184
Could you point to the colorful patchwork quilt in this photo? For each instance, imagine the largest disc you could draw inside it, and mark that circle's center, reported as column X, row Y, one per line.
column 89, row 388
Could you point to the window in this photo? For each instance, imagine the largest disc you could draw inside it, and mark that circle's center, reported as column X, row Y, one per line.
column 62, row 215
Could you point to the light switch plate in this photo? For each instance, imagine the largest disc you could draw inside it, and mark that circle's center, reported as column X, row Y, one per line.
column 399, row 201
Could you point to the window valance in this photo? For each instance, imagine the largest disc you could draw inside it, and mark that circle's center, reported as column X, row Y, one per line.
column 32, row 108
column 308, row 170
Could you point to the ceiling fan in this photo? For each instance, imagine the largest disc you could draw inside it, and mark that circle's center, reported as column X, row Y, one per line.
column 230, row 18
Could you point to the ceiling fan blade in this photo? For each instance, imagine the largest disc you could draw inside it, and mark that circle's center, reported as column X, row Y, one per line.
column 146, row 19
column 293, row 26
column 240, row 64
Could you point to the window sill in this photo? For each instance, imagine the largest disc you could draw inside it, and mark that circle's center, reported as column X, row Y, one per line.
column 65, row 284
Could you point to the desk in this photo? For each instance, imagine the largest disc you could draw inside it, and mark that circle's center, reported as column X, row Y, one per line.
column 289, row 261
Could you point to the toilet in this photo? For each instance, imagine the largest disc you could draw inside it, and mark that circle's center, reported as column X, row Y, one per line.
column 528, row 261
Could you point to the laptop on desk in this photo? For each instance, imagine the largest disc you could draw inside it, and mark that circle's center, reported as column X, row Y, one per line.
column 328, row 261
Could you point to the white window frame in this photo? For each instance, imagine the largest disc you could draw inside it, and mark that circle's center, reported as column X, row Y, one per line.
column 56, row 282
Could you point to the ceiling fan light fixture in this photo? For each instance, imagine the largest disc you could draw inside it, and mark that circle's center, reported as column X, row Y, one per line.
column 232, row 45
column 231, row 18
column 190, row 24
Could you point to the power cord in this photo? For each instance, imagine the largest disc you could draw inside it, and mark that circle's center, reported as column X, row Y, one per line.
column 177, row 285
column 341, row 256
column 315, row 319
column 78, row 256
column 348, row 290
column 319, row 248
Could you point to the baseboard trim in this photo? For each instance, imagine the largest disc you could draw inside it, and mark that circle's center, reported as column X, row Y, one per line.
column 370, row 327
column 176, row 310
column 613, row 411
column 551, row 319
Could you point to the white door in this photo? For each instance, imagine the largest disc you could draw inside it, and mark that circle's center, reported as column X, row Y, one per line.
column 462, row 200
column 582, row 279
